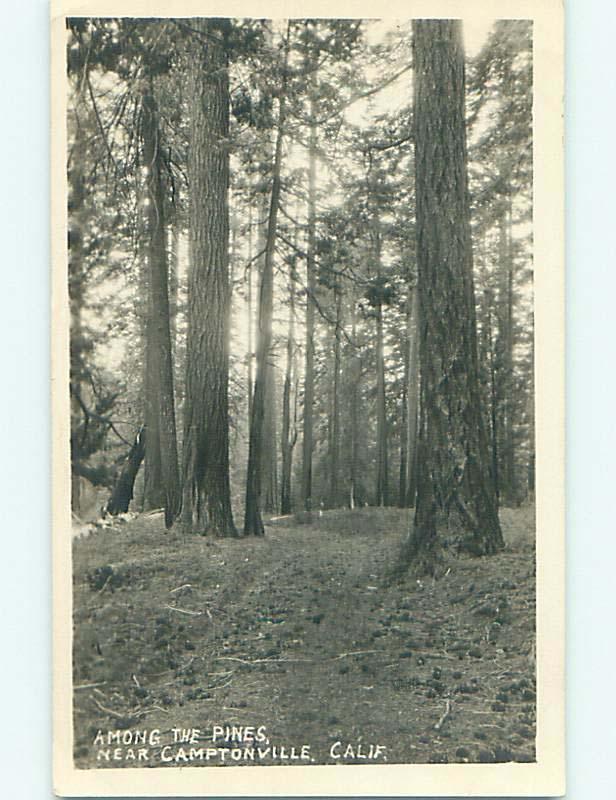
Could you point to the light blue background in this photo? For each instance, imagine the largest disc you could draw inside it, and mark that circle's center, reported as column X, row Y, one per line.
column 25, row 611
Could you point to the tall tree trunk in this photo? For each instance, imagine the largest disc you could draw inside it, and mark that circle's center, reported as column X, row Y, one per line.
column 494, row 431
column 174, row 270
column 250, row 314
column 454, row 472
column 76, row 227
column 408, row 459
column 506, row 267
column 382, row 477
column 356, row 368
column 531, row 414
column 163, row 485
column 404, row 410
column 307, row 443
column 288, row 436
column 334, row 453
column 253, row 523
column 270, row 443
column 205, row 461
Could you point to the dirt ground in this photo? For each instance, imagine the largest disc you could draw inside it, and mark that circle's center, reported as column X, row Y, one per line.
column 298, row 642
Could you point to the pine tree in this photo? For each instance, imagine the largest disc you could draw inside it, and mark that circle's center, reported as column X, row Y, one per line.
column 454, row 474
column 205, row 458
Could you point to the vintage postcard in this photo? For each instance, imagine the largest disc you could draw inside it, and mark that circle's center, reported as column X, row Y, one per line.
column 308, row 398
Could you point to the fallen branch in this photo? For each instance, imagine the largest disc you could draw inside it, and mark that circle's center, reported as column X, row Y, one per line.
column 146, row 711
column 89, row 685
column 355, row 653
column 184, row 611
column 109, row 711
column 266, row 660
column 444, row 716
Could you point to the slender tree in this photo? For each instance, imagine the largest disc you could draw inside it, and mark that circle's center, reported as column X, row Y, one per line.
column 76, row 225
column 253, row 522
column 311, row 284
column 410, row 402
column 289, row 429
column 334, row 441
column 161, row 455
column 382, row 467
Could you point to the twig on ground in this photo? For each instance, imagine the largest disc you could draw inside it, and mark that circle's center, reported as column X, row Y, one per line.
column 445, row 654
column 179, row 588
column 444, row 716
column 265, row 660
column 106, row 710
column 184, row 611
column 222, row 685
column 355, row 653
column 90, row 685
column 145, row 711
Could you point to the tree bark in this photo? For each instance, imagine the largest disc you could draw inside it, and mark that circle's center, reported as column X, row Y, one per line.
column 205, row 462
column 250, row 313
column 76, row 273
column 508, row 446
column 163, row 482
column 408, row 458
column 382, row 476
column 123, row 491
column 253, row 523
column 454, row 473
column 494, row 428
column 307, row 442
column 270, row 443
column 334, row 454
column 356, row 369
column 288, row 436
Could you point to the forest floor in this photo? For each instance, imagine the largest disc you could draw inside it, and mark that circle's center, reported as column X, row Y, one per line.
column 300, row 632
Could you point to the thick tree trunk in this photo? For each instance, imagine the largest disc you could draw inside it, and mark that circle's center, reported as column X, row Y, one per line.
column 123, row 491
column 163, row 484
column 205, row 461
column 307, row 442
column 253, row 523
column 454, row 472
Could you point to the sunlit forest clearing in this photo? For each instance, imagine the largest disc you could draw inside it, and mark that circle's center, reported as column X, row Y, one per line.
column 302, row 384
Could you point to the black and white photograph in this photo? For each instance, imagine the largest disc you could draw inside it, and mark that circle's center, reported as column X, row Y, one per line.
column 307, row 465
